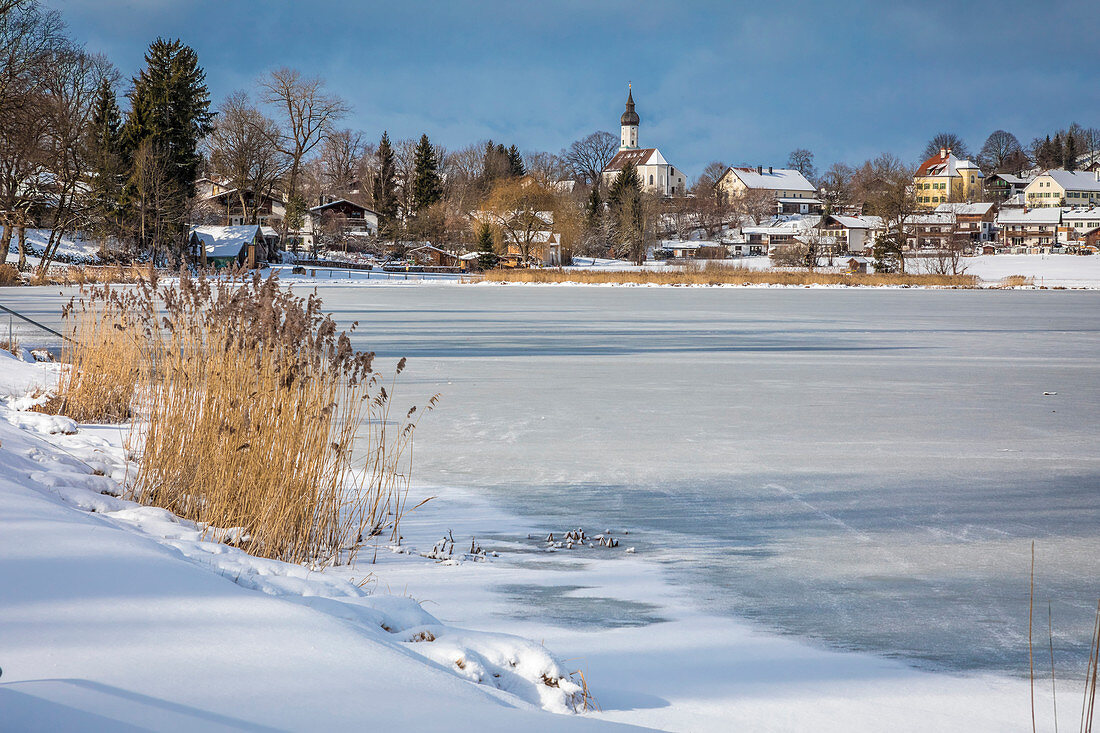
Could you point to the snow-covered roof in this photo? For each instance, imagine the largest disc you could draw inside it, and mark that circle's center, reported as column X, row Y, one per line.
column 1074, row 180
column 859, row 222
column 225, row 241
column 1081, row 214
column 799, row 201
column 960, row 209
column 771, row 179
column 1047, row 215
column 635, row 157
column 1013, row 179
column 946, row 164
column 269, row 231
column 330, row 204
column 941, row 218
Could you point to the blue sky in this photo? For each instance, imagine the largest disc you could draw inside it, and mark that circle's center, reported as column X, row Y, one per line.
column 741, row 82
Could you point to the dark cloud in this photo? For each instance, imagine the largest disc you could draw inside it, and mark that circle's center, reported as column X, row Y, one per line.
column 741, row 82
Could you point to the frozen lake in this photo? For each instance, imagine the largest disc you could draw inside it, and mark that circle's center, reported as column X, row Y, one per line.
column 863, row 467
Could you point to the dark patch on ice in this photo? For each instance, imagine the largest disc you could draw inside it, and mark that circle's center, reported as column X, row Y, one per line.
column 555, row 604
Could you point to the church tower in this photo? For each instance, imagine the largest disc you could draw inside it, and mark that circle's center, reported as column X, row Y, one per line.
column 629, row 121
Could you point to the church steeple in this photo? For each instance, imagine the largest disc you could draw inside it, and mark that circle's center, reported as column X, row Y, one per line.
column 628, row 140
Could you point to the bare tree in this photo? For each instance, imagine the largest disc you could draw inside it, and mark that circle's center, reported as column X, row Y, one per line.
column 341, row 161
column 802, row 160
column 836, row 187
column 891, row 195
column 755, row 204
column 240, row 151
column 517, row 211
column 308, row 114
column 999, row 147
column 547, row 169
column 588, row 156
column 949, row 141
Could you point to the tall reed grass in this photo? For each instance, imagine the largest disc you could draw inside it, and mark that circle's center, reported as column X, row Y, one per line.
column 92, row 274
column 9, row 275
column 719, row 274
column 249, row 406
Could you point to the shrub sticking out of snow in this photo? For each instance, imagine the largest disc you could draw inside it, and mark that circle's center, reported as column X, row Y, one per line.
column 250, row 402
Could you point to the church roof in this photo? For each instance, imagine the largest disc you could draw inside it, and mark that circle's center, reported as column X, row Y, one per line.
column 630, row 117
column 635, row 157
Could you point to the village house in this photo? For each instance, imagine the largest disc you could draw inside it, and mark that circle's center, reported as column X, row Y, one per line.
column 430, row 256
column 765, row 240
column 855, row 234
column 793, row 193
column 226, row 246
column 1004, row 186
column 1060, row 187
column 974, row 220
column 656, row 174
column 216, row 202
column 337, row 221
column 945, row 178
column 1024, row 230
column 931, row 231
column 1076, row 226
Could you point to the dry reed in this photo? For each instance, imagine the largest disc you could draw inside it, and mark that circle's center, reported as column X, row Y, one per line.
column 103, row 358
column 90, row 275
column 249, row 404
column 9, row 275
column 718, row 274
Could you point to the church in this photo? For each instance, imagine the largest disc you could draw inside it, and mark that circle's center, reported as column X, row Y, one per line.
column 656, row 174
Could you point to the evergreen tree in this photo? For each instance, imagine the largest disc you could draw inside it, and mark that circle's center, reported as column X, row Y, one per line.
column 385, row 189
column 515, row 162
column 625, row 200
column 427, row 185
column 593, row 211
column 106, row 170
column 169, row 116
column 487, row 258
column 1069, row 155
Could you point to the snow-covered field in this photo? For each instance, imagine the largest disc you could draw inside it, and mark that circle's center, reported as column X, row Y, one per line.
column 799, row 472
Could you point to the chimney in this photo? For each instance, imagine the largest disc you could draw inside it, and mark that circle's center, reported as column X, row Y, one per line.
column 769, row 170
column 943, row 153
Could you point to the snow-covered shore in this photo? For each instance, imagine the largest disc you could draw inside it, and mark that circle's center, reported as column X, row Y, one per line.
column 122, row 617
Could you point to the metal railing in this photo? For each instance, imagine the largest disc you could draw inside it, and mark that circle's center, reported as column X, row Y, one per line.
column 13, row 314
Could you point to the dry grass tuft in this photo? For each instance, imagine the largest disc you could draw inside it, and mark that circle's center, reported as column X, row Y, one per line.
column 91, row 275
column 9, row 275
column 717, row 274
column 249, row 405
column 1016, row 281
column 103, row 359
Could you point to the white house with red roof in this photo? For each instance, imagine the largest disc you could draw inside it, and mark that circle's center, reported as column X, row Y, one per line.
column 657, row 175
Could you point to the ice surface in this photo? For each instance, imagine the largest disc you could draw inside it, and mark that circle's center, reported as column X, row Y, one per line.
column 865, row 467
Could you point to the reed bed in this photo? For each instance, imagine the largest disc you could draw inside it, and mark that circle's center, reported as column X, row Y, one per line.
column 249, row 406
column 9, row 275
column 103, row 358
column 716, row 274
column 93, row 274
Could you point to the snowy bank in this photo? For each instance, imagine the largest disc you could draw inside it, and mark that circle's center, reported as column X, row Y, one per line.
column 117, row 616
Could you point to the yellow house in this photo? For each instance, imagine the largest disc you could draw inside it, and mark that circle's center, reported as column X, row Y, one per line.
column 1063, row 188
column 943, row 178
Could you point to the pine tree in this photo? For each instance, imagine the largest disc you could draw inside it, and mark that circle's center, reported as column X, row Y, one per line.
column 625, row 199
column 515, row 162
column 593, row 211
column 427, row 186
column 385, row 189
column 1069, row 155
column 487, row 258
column 169, row 116
column 106, row 173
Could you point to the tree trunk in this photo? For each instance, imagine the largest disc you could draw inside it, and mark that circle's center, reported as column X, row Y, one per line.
column 5, row 242
column 22, row 248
